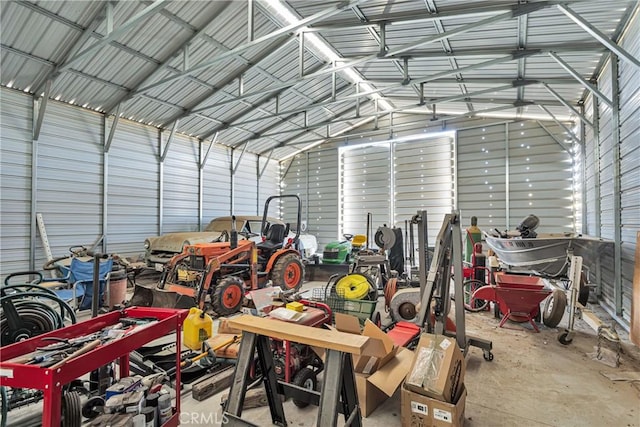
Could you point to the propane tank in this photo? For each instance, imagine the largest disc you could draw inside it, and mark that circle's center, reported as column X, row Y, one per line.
column 474, row 235
column 197, row 328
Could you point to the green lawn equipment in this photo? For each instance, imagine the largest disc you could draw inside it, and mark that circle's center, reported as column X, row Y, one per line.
column 343, row 251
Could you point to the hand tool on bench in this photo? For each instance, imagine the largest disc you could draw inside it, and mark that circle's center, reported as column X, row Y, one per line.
column 84, row 349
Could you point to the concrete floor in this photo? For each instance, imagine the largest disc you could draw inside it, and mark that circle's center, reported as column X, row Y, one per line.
column 532, row 381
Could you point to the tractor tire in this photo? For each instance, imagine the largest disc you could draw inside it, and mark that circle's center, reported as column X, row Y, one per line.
column 71, row 411
column 305, row 378
column 228, row 295
column 288, row 273
column 554, row 308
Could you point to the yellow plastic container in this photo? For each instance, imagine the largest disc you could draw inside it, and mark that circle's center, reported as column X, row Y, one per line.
column 295, row 306
column 197, row 328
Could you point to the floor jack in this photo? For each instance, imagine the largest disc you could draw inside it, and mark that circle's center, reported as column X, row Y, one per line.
column 434, row 286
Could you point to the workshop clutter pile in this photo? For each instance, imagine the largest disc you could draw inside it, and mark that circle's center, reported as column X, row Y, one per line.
column 433, row 393
column 136, row 401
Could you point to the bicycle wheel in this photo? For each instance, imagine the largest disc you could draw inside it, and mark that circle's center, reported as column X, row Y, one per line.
column 472, row 304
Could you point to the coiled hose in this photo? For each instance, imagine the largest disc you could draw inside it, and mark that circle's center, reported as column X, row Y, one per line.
column 34, row 315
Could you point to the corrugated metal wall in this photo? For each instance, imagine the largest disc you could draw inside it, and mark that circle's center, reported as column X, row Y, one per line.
column 245, row 185
column 69, row 184
column 216, row 200
column 313, row 176
column 604, row 173
column 508, row 171
column 423, row 180
column 365, row 178
column 481, row 171
column 540, row 178
column 15, row 180
column 142, row 195
column 180, row 190
column 269, row 185
column 629, row 163
column 133, row 183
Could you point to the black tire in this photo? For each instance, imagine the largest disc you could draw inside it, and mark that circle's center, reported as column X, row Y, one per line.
column 488, row 356
column 476, row 305
column 71, row 409
column 305, row 378
column 554, row 308
column 90, row 407
column 228, row 296
column 564, row 338
column 376, row 319
column 288, row 272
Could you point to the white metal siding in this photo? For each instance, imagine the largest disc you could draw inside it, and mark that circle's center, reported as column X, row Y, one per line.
column 481, row 187
column 423, row 180
column 295, row 182
column 15, row 181
column 607, row 212
column 217, row 182
column 630, row 163
column 365, row 187
column 245, row 186
column 323, row 201
column 133, row 179
column 540, row 178
column 269, row 185
column 69, row 185
column 180, row 186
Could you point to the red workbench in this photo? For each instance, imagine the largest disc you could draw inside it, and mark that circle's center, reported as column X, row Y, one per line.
column 51, row 381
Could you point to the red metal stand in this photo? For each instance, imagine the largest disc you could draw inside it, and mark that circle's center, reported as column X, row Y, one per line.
column 51, row 381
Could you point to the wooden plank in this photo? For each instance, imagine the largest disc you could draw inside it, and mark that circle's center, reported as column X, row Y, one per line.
column 635, row 297
column 209, row 386
column 255, row 398
column 316, row 337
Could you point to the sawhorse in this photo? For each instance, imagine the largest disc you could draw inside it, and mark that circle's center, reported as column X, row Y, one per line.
column 339, row 394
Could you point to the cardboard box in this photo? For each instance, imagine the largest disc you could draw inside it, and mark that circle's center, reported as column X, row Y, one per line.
column 418, row 410
column 367, row 364
column 374, row 389
column 438, row 368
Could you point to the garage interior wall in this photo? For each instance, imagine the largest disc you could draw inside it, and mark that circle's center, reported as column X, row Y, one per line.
column 125, row 195
column 417, row 170
column 612, row 151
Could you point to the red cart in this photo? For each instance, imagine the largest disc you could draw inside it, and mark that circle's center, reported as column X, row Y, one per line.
column 518, row 297
column 51, row 381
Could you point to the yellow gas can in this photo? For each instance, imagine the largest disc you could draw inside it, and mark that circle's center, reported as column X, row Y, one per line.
column 197, row 328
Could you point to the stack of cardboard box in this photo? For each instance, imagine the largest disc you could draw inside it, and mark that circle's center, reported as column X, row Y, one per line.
column 381, row 373
column 433, row 393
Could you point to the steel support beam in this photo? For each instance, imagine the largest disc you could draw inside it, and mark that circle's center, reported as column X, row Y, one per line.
column 278, row 34
column 235, row 167
column 250, row 20
column 41, row 110
column 564, row 102
column 165, row 151
column 143, row 14
column 73, row 47
column 507, row 177
column 583, row 163
column 206, row 156
column 617, row 187
column 598, row 35
column 301, row 54
column 192, row 109
column 555, row 138
column 559, row 123
column 266, row 163
column 397, row 85
column 162, row 66
column 112, row 131
column 33, row 229
column 580, row 80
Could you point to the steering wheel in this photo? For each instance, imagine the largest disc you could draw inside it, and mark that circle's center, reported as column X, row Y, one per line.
column 348, row 236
